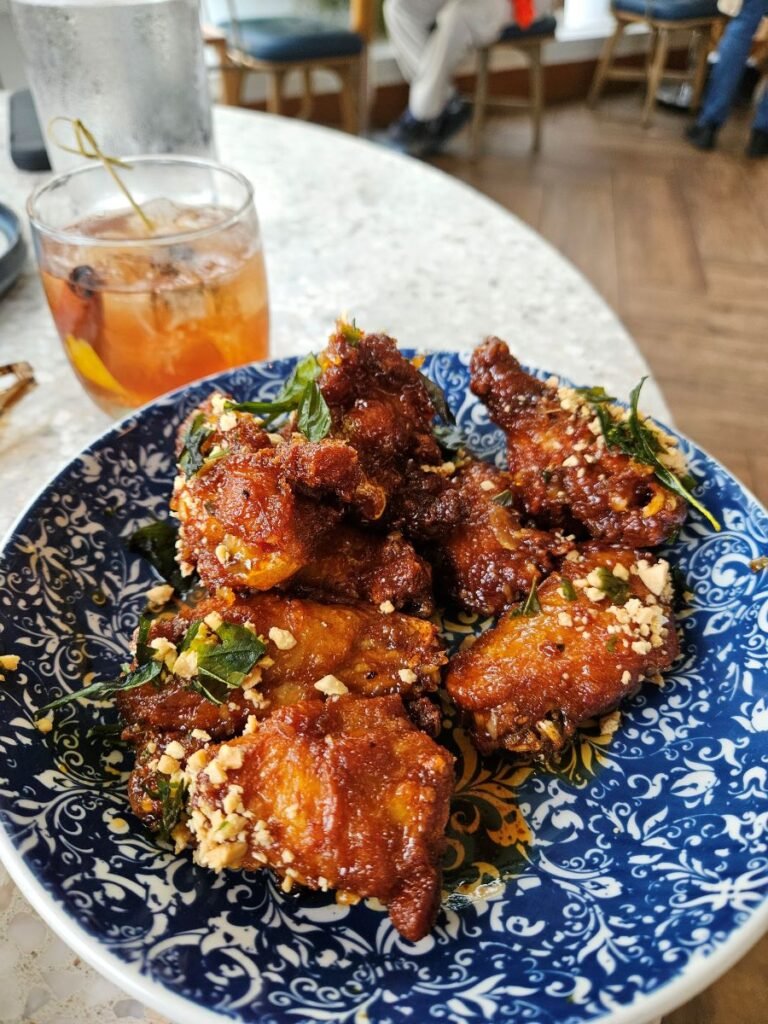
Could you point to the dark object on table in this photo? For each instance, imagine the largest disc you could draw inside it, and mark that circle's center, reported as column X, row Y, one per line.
column 13, row 252
column 27, row 145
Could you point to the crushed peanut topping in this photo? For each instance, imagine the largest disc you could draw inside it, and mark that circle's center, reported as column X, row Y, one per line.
column 175, row 749
column 168, row 765
column 186, row 665
column 407, row 675
column 386, row 607
column 331, row 686
column 283, row 639
column 159, row 595
column 213, row 621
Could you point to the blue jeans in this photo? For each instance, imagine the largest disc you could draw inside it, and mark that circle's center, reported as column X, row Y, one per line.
column 726, row 74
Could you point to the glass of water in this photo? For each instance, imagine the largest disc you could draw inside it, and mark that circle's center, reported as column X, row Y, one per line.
column 132, row 71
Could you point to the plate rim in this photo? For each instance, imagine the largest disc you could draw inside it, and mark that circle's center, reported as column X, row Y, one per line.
column 699, row 973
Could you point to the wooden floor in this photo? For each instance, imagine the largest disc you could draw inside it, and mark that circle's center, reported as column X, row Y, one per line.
column 676, row 241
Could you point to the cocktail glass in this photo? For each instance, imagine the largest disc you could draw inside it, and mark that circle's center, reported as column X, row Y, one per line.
column 141, row 311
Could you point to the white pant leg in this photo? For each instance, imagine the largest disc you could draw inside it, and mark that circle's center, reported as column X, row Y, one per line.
column 409, row 24
column 461, row 26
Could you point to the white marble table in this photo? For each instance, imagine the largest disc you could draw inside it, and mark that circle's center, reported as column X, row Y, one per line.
column 348, row 228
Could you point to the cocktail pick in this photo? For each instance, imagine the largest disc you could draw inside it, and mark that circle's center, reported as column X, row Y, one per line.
column 87, row 147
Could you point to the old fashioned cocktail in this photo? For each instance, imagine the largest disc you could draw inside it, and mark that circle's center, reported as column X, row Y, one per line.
column 144, row 304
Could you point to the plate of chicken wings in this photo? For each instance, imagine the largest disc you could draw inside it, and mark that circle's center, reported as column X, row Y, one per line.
column 376, row 686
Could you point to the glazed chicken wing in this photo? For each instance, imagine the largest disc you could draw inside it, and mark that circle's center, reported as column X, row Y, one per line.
column 312, row 650
column 489, row 559
column 253, row 506
column 605, row 623
column 563, row 474
column 381, row 405
column 352, row 565
column 346, row 795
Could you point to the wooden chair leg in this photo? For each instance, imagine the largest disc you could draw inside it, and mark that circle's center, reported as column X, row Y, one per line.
column 701, row 36
column 307, row 99
column 537, row 95
column 231, row 82
column 364, row 99
column 605, row 64
column 275, row 92
column 655, row 75
column 480, row 102
column 350, row 97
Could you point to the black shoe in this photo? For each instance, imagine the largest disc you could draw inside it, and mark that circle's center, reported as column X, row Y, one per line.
column 750, row 80
column 449, row 123
column 702, row 136
column 409, row 134
column 758, row 143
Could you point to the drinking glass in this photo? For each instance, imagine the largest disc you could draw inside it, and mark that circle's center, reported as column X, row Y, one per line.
column 143, row 310
column 133, row 71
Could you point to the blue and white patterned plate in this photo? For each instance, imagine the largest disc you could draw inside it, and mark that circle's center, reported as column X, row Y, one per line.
column 611, row 889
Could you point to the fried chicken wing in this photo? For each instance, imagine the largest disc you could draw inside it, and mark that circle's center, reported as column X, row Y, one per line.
column 353, row 565
column 253, row 506
column 345, row 795
column 489, row 560
column 562, row 471
column 340, row 647
column 381, row 405
column 605, row 624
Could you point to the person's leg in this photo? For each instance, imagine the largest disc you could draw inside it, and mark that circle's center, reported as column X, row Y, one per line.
column 461, row 25
column 733, row 52
column 409, row 25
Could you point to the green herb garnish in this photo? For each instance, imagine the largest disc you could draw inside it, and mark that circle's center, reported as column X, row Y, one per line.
column 157, row 543
column 595, row 396
column 224, row 666
column 192, row 458
column 172, row 795
column 130, row 681
column 640, row 442
column 614, row 588
column 299, row 394
column 438, row 400
column 314, row 416
column 450, row 437
column 530, row 606
column 143, row 651
column 568, row 590
column 610, row 645
column 350, row 332
column 503, row 498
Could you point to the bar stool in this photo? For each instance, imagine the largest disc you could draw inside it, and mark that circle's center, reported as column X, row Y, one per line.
column 662, row 18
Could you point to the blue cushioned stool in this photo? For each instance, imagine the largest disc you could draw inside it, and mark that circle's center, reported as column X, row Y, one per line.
column 530, row 42
column 662, row 17
column 277, row 46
